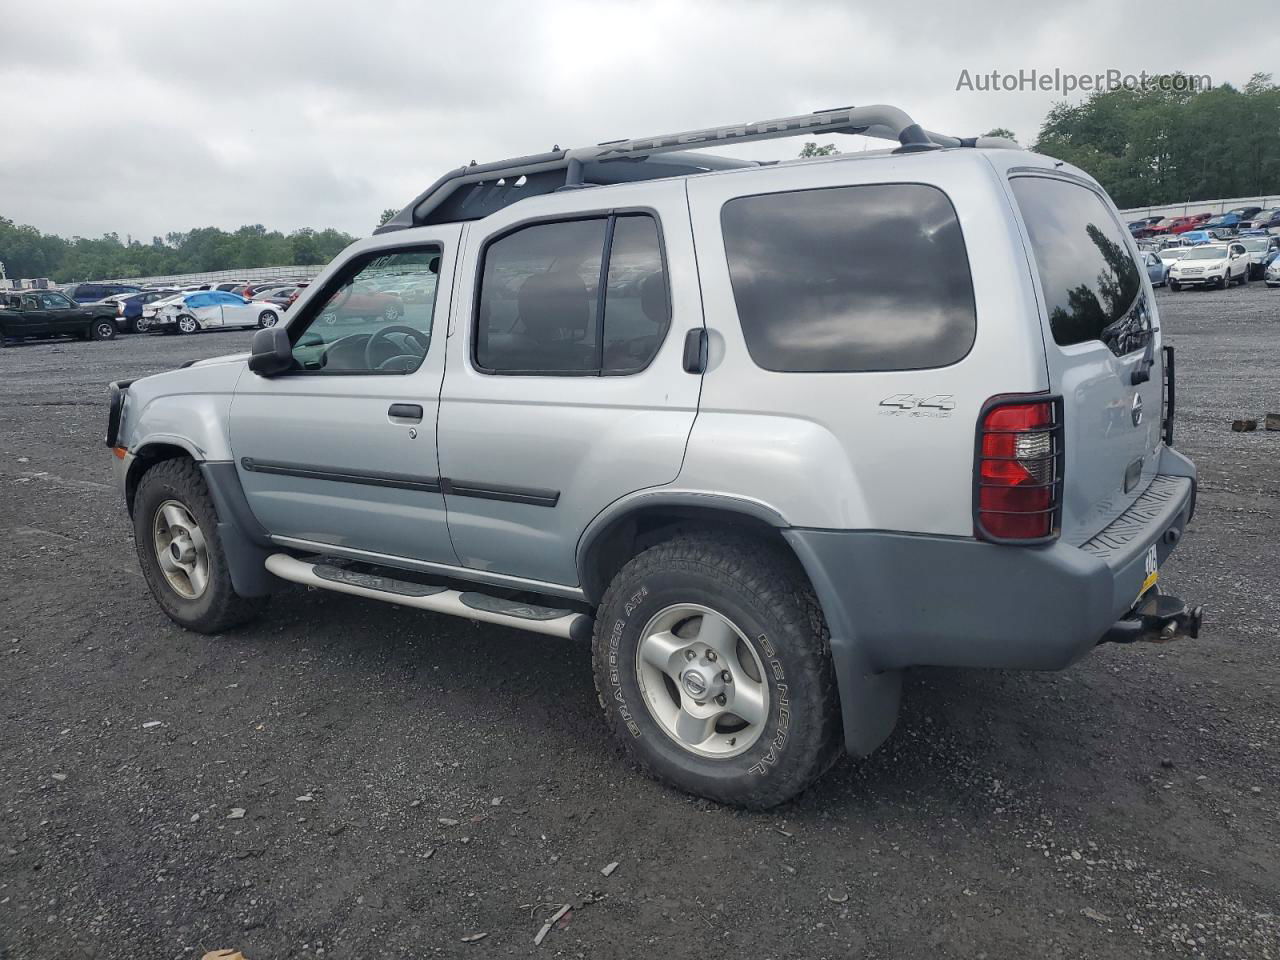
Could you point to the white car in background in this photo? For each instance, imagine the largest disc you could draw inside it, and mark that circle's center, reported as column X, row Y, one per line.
column 1272, row 276
column 212, row 309
column 1210, row 265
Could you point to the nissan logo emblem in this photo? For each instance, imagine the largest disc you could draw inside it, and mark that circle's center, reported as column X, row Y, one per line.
column 695, row 684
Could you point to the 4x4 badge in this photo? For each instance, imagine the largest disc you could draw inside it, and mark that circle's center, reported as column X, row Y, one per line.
column 909, row 404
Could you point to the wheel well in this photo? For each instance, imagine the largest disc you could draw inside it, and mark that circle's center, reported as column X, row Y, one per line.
column 624, row 537
column 144, row 460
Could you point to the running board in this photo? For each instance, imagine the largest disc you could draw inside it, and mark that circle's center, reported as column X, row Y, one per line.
column 472, row 605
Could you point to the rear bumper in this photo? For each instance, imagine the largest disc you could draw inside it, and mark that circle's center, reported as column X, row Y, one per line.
column 895, row 600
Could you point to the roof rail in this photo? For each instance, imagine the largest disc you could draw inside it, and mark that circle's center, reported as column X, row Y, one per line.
column 494, row 185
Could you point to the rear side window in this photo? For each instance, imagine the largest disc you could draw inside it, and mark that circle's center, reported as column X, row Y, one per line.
column 846, row 279
column 541, row 311
column 1089, row 278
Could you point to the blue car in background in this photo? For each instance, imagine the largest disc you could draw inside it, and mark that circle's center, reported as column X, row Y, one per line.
column 1228, row 221
column 1196, row 237
column 129, row 307
column 1157, row 269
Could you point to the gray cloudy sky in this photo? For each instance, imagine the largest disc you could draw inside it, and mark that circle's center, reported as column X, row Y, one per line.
column 143, row 117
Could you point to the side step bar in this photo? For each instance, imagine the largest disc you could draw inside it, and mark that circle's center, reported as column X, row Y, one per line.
column 437, row 599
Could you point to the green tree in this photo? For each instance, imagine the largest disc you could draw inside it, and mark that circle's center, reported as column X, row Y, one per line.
column 387, row 214
column 1171, row 143
column 811, row 149
column 1001, row 132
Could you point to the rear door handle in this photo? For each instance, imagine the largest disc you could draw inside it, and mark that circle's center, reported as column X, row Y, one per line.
column 405, row 411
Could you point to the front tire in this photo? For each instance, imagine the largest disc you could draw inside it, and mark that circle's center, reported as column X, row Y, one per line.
column 1175, row 286
column 175, row 531
column 392, row 313
column 712, row 664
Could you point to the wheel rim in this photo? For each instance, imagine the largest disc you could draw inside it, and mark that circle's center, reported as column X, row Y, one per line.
column 329, row 318
column 181, row 550
column 702, row 681
column 267, row 320
column 142, row 324
column 391, row 313
column 105, row 330
column 186, row 325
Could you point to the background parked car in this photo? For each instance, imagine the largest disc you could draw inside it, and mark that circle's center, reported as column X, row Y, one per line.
column 1212, row 265
column 1228, row 222
column 283, row 297
column 1266, row 220
column 207, row 309
column 1197, row 237
column 1157, row 270
column 44, row 313
column 1243, row 213
column 94, row 292
column 355, row 302
column 1258, row 249
column 129, row 307
column 1272, row 276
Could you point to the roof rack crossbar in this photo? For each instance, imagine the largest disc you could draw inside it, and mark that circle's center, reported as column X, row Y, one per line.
column 881, row 121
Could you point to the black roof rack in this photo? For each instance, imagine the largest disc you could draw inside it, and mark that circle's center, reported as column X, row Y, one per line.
column 477, row 190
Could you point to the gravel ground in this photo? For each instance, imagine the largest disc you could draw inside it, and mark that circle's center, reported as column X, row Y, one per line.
column 409, row 781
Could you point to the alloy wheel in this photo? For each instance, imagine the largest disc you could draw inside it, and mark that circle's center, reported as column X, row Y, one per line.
column 702, row 681
column 181, row 550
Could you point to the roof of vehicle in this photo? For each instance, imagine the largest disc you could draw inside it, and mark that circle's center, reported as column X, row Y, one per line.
column 477, row 190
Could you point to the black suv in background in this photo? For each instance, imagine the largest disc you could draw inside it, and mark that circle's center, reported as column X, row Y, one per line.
column 93, row 292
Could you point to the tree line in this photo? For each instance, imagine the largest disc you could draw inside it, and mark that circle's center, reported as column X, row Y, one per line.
column 27, row 252
column 1155, row 146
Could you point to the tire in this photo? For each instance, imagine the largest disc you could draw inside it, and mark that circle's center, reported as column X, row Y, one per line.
column 187, row 324
column 268, row 318
column 1226, row 281
column 392, row 313
column 141, row 325
column 216, row 606
column 103, row 330
column 1175, row 286
column 330, row 318
column 776, row 630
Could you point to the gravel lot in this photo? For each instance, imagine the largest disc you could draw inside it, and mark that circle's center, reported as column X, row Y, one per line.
column 409, row 781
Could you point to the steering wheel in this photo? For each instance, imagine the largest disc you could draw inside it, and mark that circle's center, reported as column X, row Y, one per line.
column 422, row 339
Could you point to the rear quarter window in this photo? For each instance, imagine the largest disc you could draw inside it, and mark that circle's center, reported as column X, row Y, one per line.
column 1089, row 278
column 844, row 279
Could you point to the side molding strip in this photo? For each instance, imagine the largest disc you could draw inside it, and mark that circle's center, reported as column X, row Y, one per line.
column 532, row 496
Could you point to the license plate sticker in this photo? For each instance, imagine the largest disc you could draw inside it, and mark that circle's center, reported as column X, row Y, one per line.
column 1152, row 570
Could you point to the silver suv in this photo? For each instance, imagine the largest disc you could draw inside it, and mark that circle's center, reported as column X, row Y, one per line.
column 764, row 435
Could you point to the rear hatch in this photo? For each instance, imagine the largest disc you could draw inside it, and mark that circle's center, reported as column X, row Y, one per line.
column 1101, row 332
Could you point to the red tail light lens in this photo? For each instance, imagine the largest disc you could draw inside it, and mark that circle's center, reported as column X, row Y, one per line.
column 1018, row 470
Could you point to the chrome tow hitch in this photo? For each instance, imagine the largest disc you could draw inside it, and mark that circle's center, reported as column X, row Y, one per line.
column 1157, row 618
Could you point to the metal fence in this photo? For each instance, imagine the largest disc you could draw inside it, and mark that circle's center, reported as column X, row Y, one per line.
column 1201, row 206
column 219, row 276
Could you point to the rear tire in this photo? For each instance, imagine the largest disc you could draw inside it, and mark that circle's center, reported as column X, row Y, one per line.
column 187, row 324
column 172, row 512
column 103, row 330
column 777, row 669
column 268, row 318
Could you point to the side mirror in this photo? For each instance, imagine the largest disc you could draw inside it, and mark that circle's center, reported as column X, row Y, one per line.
column 270, row 352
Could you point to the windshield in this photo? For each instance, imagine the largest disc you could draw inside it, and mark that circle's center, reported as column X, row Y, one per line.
column 1256, row 245
column 1206, row 253
column 1175, row 253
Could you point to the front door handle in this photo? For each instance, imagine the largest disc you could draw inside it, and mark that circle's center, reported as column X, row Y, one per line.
column 405, row 411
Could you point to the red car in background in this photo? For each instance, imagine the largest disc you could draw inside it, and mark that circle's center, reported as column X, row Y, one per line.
column 1183, row 224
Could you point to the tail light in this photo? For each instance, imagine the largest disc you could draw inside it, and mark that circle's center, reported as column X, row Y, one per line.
column 1167, row 396
column 119, row 309
column 1018, row 461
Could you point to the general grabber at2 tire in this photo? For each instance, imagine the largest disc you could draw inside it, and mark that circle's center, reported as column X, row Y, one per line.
column 175, row 530
column 713, row 667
